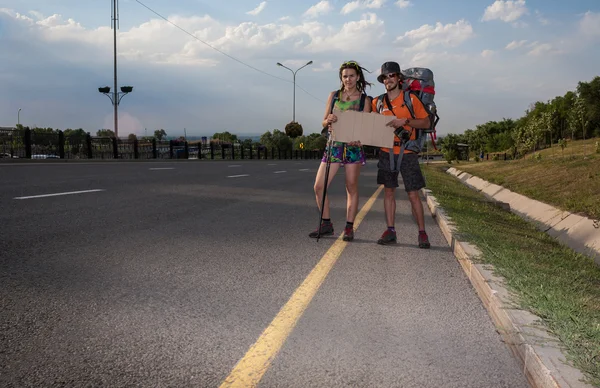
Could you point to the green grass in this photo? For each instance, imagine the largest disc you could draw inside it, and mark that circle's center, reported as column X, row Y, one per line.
column 553, row 282
column 569, row 182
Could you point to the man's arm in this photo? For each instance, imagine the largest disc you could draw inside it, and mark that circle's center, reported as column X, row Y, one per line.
column 419, row 123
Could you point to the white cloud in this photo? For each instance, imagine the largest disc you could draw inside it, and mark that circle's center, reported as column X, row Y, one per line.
column 361, row 4
column 403, row 3
column 435, row 59
column 284, row 18
column 541, row 49
column 487, row 53
column 321, row 8
column 449, row 35
column 540, row 17
column 515, row 44
column 354, row 36
column 589, row 25
column 507, row 11
column 258, row 9
column 324, row 67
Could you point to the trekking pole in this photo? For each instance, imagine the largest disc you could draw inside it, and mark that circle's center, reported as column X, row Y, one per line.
column 327, row 166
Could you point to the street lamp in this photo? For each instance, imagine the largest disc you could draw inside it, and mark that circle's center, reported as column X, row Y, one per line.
column 294, row 73
column 115, row 97
column 19, row 117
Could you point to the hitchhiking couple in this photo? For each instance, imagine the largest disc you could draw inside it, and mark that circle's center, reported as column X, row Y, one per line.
column 352, row 96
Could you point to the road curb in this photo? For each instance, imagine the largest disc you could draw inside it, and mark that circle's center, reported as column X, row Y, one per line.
column 538, row 352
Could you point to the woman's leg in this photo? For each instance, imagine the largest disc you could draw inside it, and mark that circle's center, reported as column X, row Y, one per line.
column 320, row 184
column 352, row 173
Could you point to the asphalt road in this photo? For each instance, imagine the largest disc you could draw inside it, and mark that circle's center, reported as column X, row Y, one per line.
column 163, row 274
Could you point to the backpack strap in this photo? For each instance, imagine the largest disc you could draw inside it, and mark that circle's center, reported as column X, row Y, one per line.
column 380, row 102
column 334, row 98
column 363, row 98
column 408, row 103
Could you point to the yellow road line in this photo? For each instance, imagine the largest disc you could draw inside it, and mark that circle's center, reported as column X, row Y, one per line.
column 251, row 368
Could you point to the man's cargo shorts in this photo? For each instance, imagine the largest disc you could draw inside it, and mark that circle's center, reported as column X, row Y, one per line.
column 409, row 168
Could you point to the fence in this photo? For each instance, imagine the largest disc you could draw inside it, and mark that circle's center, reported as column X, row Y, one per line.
column 28, row 144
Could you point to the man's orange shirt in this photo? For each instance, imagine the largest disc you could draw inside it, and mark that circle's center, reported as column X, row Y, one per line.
column 401, row 111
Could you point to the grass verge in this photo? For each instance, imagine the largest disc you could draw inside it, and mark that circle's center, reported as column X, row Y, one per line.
column 552, row 281
column 568, row 180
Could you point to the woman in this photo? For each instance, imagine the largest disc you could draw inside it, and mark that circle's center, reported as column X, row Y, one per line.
column 351, row 156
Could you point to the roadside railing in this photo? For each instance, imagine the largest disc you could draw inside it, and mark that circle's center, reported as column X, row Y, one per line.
column 28, row 144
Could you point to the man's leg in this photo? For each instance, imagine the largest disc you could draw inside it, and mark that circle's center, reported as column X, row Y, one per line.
column 413, row 182
column 417, row 208
column 390, row 182
column 389, row 204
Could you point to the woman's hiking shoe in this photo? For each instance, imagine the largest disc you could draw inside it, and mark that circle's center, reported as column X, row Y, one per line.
column 326, row 229
column 348, row 233
column 388, row 237
column 424, row 240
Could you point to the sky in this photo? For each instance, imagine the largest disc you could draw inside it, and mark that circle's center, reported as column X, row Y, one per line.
column 212, row 65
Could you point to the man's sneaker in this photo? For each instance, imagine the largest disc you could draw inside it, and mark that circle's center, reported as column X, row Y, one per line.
column 348, row 233
column 388, row 237
column 326, row 229
column 424, row 240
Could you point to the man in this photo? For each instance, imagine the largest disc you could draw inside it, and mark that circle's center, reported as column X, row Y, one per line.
column 392, row 104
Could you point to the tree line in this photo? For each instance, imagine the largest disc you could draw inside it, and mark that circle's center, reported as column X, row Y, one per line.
column 574, row 116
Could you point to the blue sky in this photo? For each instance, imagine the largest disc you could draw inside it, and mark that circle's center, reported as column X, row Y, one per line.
column 491, row 59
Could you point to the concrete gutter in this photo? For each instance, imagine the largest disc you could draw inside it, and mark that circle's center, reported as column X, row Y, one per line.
column 539, row 353
column 580, row 233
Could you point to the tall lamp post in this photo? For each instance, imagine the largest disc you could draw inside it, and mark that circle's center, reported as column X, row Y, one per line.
column 19, row 117
column 115, row 97
column 294, row 73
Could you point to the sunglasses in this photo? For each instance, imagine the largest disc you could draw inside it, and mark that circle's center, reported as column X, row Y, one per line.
column 350, row 63
column 389, row 76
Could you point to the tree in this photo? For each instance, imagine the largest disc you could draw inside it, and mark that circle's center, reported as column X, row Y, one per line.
column 589, row 92
column 74, row 138
column 266, row 139
column 225, row 137
column 578, row 118
column 293, row 129
column 132, row 137
column 105, row 133
column 276, row 139
column 247, row 143
column 281, row 140
column 316, row 141
column 160, row 134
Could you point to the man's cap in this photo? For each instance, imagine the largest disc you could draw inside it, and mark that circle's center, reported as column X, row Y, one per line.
column 388, row 68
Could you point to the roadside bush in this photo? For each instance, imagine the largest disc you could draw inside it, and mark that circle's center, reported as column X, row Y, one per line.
column 538, row 156
column 450, row 155
column 598, row 147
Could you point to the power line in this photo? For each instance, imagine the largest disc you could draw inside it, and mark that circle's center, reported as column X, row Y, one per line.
column 216, row 49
